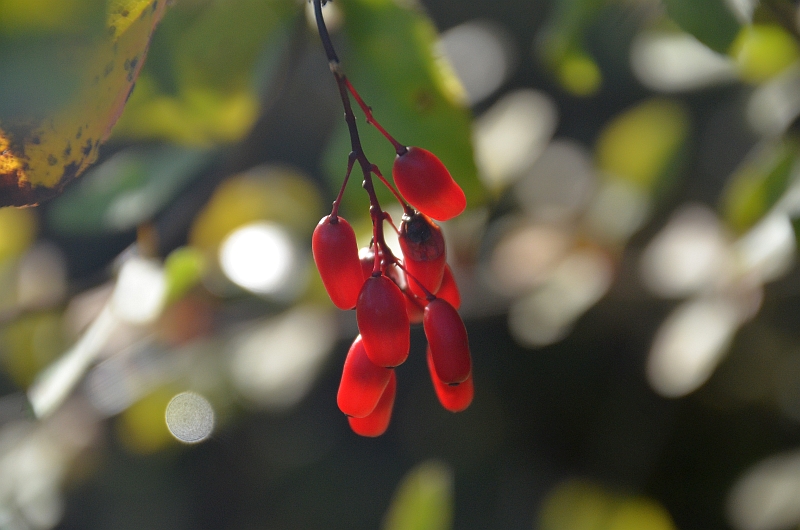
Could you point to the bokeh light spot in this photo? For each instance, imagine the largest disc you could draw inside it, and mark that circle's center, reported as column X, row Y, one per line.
column 481, row 55
column 690, row 253
column 258, row 257
column 546, row 315
column 690, row 343
column 190, row 417
column 274, row 362
column 139, row 294
column 676, row 62
column 559, row 184
column 511, row 135
column 767, row 496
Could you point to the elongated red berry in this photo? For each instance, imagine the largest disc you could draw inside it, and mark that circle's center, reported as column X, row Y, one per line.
column 367, row 257
column 378, row 421
column 415, row 307
column 423, row 180
column 449, row 289
column 362, row 383
column 424, row 255
column 447, row 339
column 336, row 256
column 454, row 398
column 383, row 321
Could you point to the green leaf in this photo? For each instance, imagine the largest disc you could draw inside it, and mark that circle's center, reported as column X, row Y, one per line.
column 390, row 59
column 641, row 144
column 710, row 21
column 423, row 500
column 183, row 268
column 758, row 184
column 129, row 188
column 208, row 65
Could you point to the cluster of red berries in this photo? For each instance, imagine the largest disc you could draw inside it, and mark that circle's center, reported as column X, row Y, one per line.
column 390, row 294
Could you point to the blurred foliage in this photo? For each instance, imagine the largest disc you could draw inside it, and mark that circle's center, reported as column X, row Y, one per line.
column 641, row 145
column 48, row 138
column 710, row 21
column 209, row 70
column 756, row 186
column 629, row 283
column 423, row 500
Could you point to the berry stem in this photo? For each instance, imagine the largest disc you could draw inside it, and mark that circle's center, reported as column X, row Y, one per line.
column 398, row 147
column 406, row 207
column 357, row 152
column 350, row 161
column 429, row 296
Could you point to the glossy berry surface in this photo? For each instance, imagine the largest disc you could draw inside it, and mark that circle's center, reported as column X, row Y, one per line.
column 377, row 422
column 336, row 257
column 423, row 180
column 454, row 398
column 415, row 308
column 424, row 253
column 447, row 339
column 449, row 289
column 362, row 383
column 367, row 257
column 383, row 321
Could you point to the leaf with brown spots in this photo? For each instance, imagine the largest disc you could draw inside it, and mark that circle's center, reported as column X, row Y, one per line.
column 40, row 153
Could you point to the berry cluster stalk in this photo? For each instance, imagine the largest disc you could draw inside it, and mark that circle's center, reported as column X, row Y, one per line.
column 357, row 153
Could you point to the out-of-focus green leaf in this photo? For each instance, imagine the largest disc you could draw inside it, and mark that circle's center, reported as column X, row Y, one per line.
column 710, row 21
column 575, row 505
column 29, row 343
column 583, row 505
column 391, row 61
column 126, row 190
column 758, row 184
column 183, row 268
column 640, row 145
column 52, row 17
column 423, row 500
column 562, row 49
column 203, row 82
column 762, row 51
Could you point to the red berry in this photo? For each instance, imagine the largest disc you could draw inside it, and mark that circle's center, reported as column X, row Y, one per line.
column 383, row 321
column 376, row 423
column 367, row 257
column 362, row 382
column 454, row 398
column 415, row 307
column 449, row 289
column 423, row 253
column 447, row 339
column 336, row 256
column 425, row 183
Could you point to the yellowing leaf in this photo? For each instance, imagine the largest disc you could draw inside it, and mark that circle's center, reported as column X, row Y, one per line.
column 122, row 13
column 39, row 154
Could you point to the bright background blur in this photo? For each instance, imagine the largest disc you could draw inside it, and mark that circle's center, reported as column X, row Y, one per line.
column 169, row 358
